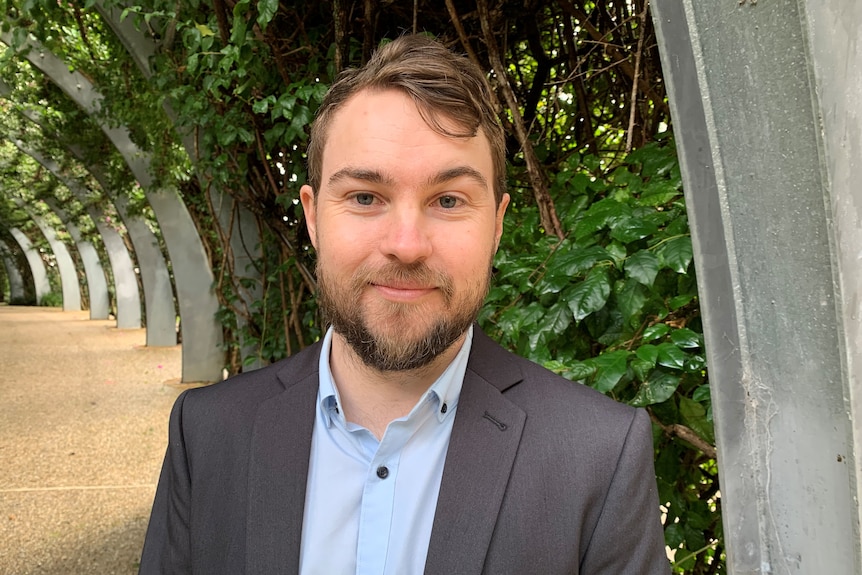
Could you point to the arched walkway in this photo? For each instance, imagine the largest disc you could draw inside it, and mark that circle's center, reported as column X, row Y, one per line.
column 82, row 434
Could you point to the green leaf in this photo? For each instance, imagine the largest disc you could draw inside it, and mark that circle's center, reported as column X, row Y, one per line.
column 575, row 260
column 701, row 393
column 676, row 254
column 677, row 302
column 648, row 353
column 631, row 297
column 643, row 266
column 669, row 355
column 674, row 535
column 610, row 368
column 659, row 193
column 655, row 331
column 599, row 215
column 261, row 106
column 204, row 30
column 694, row 416
column 685, row 338
column 556, row 320
column 266, row 9
column 658, row 388
column 630, row 229
column 579, row 371
column 641, row 368
column 589, row 295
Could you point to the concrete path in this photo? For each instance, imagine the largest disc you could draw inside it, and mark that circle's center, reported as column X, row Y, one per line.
column 83, row 428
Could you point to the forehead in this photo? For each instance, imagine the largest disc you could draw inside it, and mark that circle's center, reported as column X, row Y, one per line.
column 386, row 126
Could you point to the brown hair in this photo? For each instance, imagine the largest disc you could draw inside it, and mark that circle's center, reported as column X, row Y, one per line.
column 441, row 83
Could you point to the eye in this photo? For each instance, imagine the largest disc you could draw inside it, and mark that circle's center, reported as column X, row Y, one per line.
column 448, row 202
column 364, row 199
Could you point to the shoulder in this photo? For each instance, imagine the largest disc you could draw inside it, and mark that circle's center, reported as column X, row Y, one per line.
column 556, row 402
column 237, row 397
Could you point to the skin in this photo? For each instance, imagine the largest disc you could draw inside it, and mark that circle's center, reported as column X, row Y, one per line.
column 394, row 196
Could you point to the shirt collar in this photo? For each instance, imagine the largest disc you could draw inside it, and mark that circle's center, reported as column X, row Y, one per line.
column 445, row 390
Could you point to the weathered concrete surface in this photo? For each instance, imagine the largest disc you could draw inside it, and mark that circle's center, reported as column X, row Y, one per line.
column 765, row 98
column 82, row 434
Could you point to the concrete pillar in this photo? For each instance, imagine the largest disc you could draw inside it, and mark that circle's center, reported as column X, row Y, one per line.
column 765, row 99
column 125, row 280
column 97, row 286
column 41, row 285
column 16, row 280
column 237, row 223
column 65, row 265
column 202, row 336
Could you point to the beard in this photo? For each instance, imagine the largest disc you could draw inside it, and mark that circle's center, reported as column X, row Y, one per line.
column 396, row 336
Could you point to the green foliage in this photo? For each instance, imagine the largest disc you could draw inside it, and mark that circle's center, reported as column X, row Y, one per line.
column 614, row 305
column 52, row 299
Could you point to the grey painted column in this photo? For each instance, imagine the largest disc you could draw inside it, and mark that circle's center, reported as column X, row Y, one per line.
column 125, row 281
column 16, row 280
column 834, row 30
column 97, row 286
column 202, row 336
column 37, row 266
column 760, row 103
column 65, row 265
column 239, row 224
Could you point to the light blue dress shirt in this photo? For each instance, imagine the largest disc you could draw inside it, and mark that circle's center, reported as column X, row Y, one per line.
column 369, row 505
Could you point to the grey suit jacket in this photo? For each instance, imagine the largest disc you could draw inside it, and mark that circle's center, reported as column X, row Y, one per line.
column 543, row 476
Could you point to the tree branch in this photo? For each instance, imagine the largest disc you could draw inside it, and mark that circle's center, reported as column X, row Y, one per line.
column 686, row 434
column 547, row 211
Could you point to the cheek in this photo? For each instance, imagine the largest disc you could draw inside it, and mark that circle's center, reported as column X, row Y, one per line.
column 341, row 247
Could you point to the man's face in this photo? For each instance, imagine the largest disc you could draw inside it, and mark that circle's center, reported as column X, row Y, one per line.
column 405, row 226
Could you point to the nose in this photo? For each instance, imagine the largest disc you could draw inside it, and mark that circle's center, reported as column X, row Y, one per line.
column 406, row 236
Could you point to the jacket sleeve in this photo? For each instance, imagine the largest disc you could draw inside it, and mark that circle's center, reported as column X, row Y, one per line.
column 628, row 539
column 167, row 547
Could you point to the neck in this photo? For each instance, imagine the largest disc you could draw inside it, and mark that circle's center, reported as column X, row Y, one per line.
column 373, row 398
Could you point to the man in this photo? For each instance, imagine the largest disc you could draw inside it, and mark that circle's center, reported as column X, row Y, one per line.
column 406, row 441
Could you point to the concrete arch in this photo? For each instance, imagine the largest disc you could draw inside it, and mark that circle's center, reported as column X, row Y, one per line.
column 203, row 356
column 41, row 285
column 239, row 224
column 97, row 286
column 125, row 282
column 13, row 274
column 69, row 282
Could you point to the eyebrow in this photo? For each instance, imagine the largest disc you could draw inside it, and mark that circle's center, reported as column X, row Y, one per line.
column 361, row 174
column 458, row 172
column 377, row 177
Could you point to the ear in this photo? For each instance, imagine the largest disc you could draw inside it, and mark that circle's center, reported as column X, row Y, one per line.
column 498, row 227
column 309, row 207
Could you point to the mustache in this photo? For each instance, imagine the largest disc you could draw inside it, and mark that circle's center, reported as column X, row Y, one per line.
column 417, row 273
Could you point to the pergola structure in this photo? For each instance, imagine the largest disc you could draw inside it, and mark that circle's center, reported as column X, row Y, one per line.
column 176, row 291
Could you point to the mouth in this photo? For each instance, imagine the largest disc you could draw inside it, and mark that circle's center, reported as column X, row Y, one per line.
column 403, row 292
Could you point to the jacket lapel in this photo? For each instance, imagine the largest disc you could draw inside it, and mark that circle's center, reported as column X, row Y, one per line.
column 482, row 449
column 278, row 471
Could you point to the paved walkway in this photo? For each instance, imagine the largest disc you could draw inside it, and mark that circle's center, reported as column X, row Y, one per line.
column 83, row 427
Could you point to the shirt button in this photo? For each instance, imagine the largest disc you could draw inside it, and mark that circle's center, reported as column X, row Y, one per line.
column 444, row 408
column 382, row 472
